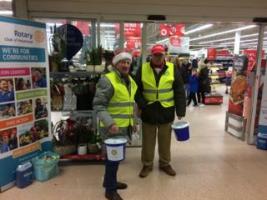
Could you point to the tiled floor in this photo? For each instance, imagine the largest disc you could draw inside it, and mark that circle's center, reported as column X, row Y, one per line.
column 213, row 165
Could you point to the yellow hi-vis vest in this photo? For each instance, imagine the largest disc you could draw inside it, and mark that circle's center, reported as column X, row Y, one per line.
column 163, row 92
column 121, row 105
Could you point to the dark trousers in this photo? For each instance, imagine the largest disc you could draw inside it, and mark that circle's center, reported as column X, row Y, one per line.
column 192, row 95
column 110, row 178
column 150, row 134
column 201, row 97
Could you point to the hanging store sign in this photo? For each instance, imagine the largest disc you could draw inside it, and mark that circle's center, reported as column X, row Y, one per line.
column 132, row 43
column 167, row 30
column 177, row 45
column 130, row 29
column 24, row 111
column 252, row 57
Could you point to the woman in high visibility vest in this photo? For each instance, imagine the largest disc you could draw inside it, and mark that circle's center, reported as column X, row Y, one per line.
column 160, row 93
column 114, row 104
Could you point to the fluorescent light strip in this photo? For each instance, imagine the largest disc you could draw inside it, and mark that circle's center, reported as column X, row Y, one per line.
column 200, row 28
column 244, row 41
column 6, row 12
column 224, row 32
column 231, row 38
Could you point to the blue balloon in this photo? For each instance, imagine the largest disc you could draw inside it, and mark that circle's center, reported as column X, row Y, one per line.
column 72, row 39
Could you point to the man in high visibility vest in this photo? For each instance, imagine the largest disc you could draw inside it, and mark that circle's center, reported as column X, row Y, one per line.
column 114, row 104
column 160, row 93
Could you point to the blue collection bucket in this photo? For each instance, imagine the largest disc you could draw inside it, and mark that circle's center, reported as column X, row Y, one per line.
column 261, row 141
column 181, row 130
column 115, row 149
column 24, row 175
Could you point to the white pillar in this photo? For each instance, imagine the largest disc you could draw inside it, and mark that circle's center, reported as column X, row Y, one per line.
column 98, row 32
column 93, row 29
column 121, row 43
column 237, row 42
column 144, row 40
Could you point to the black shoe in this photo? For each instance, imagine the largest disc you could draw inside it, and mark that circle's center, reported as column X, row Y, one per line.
column 168, row 170
column 113, row 196
column 121, row 186
column 145, row 171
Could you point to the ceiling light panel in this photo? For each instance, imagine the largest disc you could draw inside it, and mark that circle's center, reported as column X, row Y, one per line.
column 200, row 28
column 223, row 32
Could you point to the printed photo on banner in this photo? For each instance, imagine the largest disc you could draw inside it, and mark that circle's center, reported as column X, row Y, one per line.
column 40, row 107
column 7, row 110
column 33, row 132
column 22, row 83
column 39, row 77
column 24, row 107
column 6, row 90
column 8, row 140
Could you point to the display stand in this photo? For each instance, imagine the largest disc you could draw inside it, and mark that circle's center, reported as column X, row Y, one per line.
column 75, row 126
column 69, row 149
column 235, row 125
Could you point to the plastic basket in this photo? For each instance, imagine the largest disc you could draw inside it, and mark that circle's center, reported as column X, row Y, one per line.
column 45, row 166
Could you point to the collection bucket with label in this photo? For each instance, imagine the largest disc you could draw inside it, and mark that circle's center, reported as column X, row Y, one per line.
column 261, row 141
column 24, row 175
column 115, row 149
column 181, row 130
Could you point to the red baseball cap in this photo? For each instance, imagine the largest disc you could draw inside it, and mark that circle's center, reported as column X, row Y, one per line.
column 158, row 49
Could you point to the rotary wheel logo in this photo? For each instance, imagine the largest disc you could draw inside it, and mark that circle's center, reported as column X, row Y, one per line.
column 114, row 152
column 39, row 36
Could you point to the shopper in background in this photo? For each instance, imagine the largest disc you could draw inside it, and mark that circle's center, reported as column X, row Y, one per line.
column 195, row 63
column 185, row 70
column 114, row 90
column 160, row 93
column 228, row 79
column 193, row 87
column 204, row 81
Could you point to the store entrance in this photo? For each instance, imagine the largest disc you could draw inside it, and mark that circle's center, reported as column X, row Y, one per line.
column 218, row 53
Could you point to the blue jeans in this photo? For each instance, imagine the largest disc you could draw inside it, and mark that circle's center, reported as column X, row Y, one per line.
column 110, row 178
column 187, row 92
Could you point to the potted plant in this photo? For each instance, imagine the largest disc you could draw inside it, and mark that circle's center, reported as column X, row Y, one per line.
column 94, row 57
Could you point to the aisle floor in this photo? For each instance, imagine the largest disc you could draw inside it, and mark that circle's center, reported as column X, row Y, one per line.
column 213, row 165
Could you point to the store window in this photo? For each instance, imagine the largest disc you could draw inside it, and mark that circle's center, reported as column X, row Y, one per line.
column 131, row 41
column 109, row 36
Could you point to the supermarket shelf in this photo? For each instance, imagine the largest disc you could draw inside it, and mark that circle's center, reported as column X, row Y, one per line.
column 80, row 74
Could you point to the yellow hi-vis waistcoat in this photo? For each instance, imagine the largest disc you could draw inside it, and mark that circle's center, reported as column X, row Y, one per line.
column 121, row 105
column 164, row 91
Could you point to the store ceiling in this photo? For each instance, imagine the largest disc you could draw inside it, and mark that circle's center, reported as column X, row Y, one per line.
column 226, row 40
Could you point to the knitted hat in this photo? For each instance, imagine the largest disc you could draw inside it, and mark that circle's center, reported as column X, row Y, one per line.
column 121, row 56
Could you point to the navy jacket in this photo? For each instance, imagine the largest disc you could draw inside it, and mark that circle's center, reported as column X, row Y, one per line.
column 193, row 83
